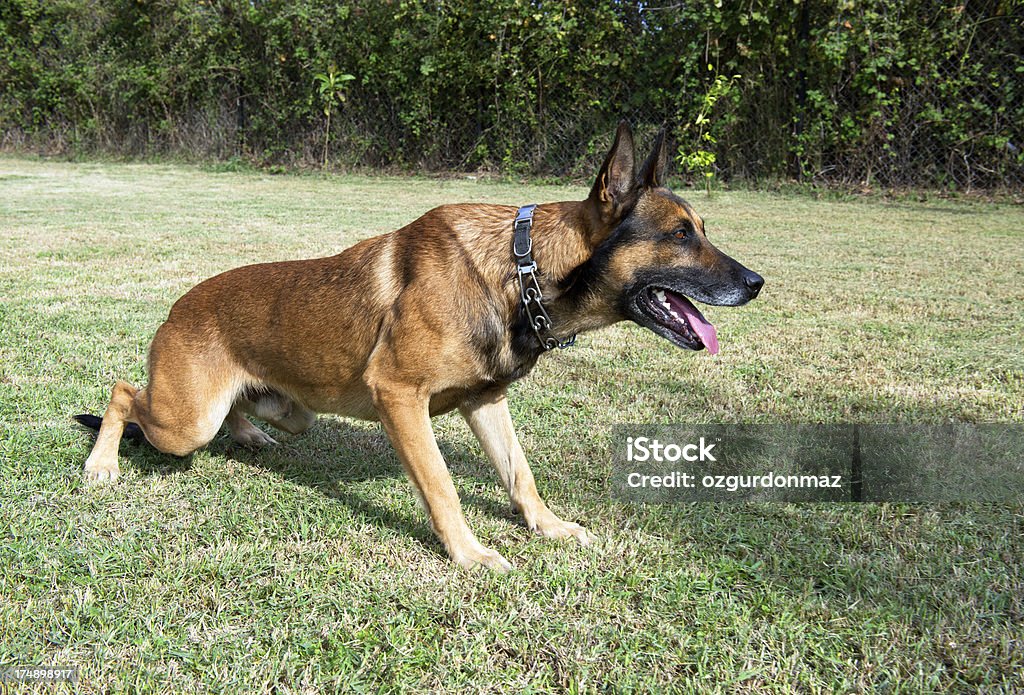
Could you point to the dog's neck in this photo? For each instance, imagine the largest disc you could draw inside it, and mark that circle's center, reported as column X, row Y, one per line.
column 565, row 235
column 586, row 301
column 567, row 243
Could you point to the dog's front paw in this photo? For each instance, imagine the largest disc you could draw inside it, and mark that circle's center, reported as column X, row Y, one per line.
column 550, row 526
column 100, row 471
column 479, row 556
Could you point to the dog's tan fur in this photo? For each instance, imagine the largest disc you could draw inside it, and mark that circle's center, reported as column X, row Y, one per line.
column 397, row 328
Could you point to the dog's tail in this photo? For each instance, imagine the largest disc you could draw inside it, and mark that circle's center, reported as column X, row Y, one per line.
column 131, row 431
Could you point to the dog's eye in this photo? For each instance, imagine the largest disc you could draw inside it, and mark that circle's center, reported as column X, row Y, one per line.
column 683, row 231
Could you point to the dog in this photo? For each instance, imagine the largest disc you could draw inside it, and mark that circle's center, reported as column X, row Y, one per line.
column 441, row 314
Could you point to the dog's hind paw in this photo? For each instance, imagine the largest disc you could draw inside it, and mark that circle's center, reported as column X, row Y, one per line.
column 100, row 472
column 250, row 435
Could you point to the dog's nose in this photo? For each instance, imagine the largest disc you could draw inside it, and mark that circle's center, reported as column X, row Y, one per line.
column 753, row 281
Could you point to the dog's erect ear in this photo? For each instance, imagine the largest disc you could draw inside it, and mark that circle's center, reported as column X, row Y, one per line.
column 614, row 189
column 652, row 173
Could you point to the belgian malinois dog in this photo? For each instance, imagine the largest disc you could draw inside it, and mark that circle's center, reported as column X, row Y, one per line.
column 435, row 316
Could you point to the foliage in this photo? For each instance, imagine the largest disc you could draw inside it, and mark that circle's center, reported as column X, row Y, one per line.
column 700, row 159
column 331, row 90
column 886, row 91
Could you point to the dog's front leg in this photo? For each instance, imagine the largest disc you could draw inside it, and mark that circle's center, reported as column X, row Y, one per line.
column 406, row 418
column 491, row 422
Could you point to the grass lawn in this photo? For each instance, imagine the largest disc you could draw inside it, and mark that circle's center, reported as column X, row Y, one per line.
column 310, row 565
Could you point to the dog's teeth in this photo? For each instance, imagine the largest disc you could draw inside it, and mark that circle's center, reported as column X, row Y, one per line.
column 660, row 296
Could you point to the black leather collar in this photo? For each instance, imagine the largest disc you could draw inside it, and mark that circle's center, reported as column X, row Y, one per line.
column 529, row 288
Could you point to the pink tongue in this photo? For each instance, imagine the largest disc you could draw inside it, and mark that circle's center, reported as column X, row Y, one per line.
column 700, row 325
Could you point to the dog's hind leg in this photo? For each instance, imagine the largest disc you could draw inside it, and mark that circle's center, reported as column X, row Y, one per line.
column 192, row 386
column 243, row 431
column 296, row 421
column 102, row 465
column 491, row 422
column 274, row 407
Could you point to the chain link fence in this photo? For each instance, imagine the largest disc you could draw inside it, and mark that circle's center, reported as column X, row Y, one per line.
column 876, row 94
column 955, row 123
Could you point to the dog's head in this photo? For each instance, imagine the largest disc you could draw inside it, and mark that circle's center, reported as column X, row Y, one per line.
column 657, row 258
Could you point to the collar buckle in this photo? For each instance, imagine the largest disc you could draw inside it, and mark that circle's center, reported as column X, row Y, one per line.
column 527, row 268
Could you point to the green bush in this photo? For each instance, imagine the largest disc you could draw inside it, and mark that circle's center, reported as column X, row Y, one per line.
column 876, row 92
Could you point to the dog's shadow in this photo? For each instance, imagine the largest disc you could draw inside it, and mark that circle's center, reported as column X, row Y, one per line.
column 333, row 458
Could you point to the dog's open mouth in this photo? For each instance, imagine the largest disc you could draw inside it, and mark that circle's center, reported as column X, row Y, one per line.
column 680, row 321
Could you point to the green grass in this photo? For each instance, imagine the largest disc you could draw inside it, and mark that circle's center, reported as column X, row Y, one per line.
column 310, row 565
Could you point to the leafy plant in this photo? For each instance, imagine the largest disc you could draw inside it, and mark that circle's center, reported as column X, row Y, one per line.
column 702, row 158
column 331, row 88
